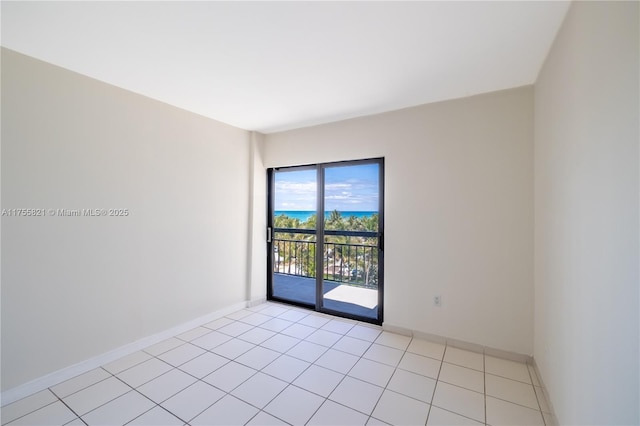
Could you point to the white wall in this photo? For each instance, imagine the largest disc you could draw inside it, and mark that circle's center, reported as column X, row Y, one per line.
column 458, row 210
column 76, row 287
column 586, row 216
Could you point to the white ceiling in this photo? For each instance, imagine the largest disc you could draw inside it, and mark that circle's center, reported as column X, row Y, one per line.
column 271, row 66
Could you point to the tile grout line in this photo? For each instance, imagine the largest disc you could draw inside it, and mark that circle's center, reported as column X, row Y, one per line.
column 33, row 411
column 197, row 380
column 484, row 376
column 86, row 387
column 181, row 390
column 517, row 403
column 362, row 357
column 130, row 367
column 337, row 385
column 290, row 383
column 307, row 368
column 83, row 388
column 436, row 385
column 151, row 356
column 108, row 402
column 206, row 408
column 370, row 415
column 508, row 378
column 391, row 377
column 277, row 395
column 457, row 386
column 174, row 394
column 544, row 422
column 268, row 414
column 513, row 403
column 155, row 404
column 70, row 409
column 345, row 375
column 299, row 340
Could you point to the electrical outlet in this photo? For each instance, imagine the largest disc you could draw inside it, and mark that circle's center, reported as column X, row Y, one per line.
column 437, row 301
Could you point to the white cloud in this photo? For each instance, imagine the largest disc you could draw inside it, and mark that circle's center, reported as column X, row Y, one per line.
column 334, row 186
column 353, row 194
column 296, row 187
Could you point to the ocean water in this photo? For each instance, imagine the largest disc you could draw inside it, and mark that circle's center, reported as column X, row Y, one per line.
column 303, row 215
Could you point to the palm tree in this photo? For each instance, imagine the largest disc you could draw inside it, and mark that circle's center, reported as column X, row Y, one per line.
column 370, row 223
column 335, row 220
column 356, row 223
column 358, row 257
column 310, row 223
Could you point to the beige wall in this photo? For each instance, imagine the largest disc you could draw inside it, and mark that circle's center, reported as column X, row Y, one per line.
column 459, row 210
column 586, row 215
column 76, row 287
column 258, row 224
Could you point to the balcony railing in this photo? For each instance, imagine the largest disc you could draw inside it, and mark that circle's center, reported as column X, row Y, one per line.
column 353, row 262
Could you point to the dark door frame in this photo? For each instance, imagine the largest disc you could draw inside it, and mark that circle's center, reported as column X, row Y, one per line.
column 320, row 234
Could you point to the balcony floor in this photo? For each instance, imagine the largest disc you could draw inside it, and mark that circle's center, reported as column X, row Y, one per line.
column 339, row 297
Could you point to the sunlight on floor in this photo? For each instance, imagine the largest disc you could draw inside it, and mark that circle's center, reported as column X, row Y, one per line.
column 359, row 296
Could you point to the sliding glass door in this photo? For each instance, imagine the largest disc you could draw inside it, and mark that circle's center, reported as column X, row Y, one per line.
column 293, row 235
column 326, row 237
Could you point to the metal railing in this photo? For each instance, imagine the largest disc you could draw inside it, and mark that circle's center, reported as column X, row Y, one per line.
column 354, row 263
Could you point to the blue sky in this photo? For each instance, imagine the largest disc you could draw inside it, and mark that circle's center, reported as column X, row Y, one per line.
column 348, row 188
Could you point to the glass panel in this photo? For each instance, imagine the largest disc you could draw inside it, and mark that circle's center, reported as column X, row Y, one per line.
column 351, row 260
column 352, row 197
column 294, row 261
column 294, row 267
column 350, row 270
column 295, row 199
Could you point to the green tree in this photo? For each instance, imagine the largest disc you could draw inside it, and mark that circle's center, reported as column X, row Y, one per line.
column 334, row 221
column 352, row 260
column 310, row 223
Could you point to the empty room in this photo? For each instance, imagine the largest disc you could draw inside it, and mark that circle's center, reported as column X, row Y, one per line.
column 320, row 213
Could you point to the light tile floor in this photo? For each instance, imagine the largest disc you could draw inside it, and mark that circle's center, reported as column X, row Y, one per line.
column 275, row 365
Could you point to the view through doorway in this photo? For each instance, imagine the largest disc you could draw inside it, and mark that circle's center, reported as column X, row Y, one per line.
column 326, row 237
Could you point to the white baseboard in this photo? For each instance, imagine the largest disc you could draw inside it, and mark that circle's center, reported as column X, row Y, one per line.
column 550, row 420
column 460, row 344
column 56, row 377
column 256, row 301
